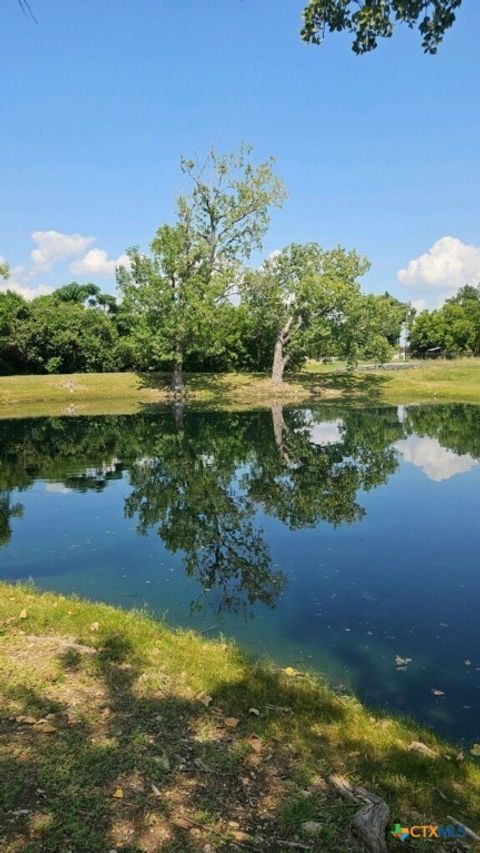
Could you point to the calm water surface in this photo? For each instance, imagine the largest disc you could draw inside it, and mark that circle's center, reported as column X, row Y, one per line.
column 331, row 538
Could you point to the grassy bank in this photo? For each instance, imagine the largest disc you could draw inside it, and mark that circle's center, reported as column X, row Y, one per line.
column 117, row 733
column 97, row 393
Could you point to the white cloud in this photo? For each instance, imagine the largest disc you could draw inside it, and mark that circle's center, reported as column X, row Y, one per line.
column 436, row 462
column 97, row 262
column 447, row 265
column 419, row 305
column 54, row 246
column 28, row 293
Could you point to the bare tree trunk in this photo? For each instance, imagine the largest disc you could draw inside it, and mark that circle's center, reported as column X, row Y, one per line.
column 178, row 382
column 280, row 360
column 278, row 366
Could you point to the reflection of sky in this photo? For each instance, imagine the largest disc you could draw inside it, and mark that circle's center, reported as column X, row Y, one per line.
column 436, row 462
column 57, row 489
column 326, row 432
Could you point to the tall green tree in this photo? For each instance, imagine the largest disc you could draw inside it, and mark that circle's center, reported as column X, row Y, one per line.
column 4, row 270
column 369, row 20
column 303, row 299
column 195, row 263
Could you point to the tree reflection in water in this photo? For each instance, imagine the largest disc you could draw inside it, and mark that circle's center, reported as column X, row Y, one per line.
column 201, row 480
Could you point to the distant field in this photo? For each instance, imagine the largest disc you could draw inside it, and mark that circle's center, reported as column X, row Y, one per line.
column 423, row 380
column 128, row 392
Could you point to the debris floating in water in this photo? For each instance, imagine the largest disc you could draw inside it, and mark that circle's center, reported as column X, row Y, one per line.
column 402, row 663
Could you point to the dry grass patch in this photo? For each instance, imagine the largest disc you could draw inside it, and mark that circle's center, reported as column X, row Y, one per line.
column 118, row 733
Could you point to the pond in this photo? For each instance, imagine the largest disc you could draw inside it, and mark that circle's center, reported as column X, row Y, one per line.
column 335, row 538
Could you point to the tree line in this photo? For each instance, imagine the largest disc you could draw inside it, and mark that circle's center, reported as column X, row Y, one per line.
column 450, row 331
column 196, row 301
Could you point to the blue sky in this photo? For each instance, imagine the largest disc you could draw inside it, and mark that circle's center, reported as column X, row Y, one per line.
column 98, row 100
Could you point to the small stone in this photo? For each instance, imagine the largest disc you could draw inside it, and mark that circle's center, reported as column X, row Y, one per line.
column 242, row 837
column 311, row 827
column 46, row 727
column 423, row 749
column 255, row 744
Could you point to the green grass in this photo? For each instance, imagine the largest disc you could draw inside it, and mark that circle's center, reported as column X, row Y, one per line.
column 429, row 381
column 137, row 713
column 108, row 393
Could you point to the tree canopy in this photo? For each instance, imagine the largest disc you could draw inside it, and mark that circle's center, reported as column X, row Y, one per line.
column 75, row 329
column 303, row 296
column 369, row 20
column 452, row 330
column 195, row 262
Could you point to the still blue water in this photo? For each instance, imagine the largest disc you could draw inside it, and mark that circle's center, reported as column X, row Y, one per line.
column 328, row 538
